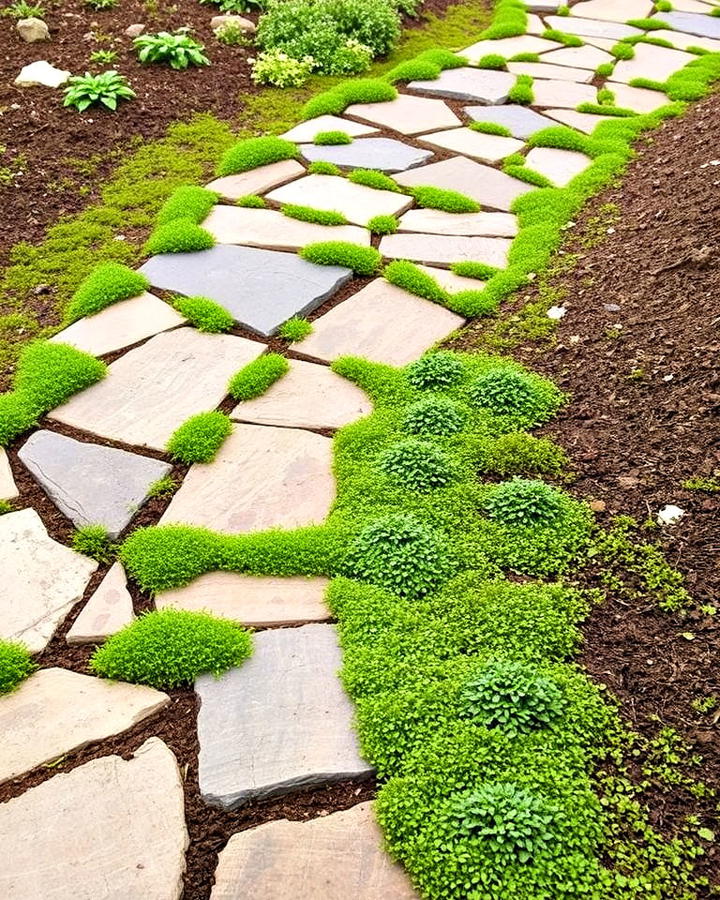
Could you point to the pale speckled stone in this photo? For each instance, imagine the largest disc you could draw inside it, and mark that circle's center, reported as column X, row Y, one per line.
column 560, row 166
column 613, row 31
column 262, row 477
column 640, row 100
column 606, row 44
column 565, row 94
column 256, row 181
column 452, row 282
column 333, row 857
column 41, row 74
column 8, row 488
column 42, row 580
column 444, row 249
column 547, row 70
column 519, row 120
column 111, row 829
column 655, row 63
column 435, row 221
column 585, row 57
column 508, row 47
column 682, row 41
column 255, row 601
column 56, row 711
column 586, row 122
column 613, row 10
column 486, row 147
column 108, row 610
column 407, row 114
column 306, row 131
column 466, row 83
column 385, row 154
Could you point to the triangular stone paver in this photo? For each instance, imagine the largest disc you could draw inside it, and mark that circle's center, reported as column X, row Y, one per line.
column 120, row 325
column 256, row 602
column 486, row 147
column 333, row 857
column 560, row 166
column 509, row 47
column 435, row 221
column 91, row 484
column 586, row 122
column 306, row 131
column 111, row 829
column 682, row 41
column 640, row 100
column 444, row 249
column 385, row 154
column 548, row 70
column 150, row 391
column 262, row 477
column 260, row 288
column 256, row 181
column 108, row 610
column 382, row 323
column 565, row 94
column 692, row 23
column 407, row 114
column 613, row 10
column 42, row 580
column 452, row 282
column 519, row 120
column 585, row 57
column 308, row 396
column 613, row 31
column 465, row 83
column 655, row 63
column 55, row 712
column 8, row 488
column 279, row 723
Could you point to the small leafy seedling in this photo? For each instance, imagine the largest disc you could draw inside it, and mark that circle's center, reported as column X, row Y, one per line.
column 106, row 89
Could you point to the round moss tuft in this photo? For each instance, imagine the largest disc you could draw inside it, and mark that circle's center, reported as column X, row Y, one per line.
column 434, row 415
column 435, row 370
column 16, row 665
column 525, row 501
column 506, row 392
column 417, row 465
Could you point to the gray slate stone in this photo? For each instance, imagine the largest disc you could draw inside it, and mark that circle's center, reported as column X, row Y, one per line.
column 691, row 23
column 91, row 484
column 614, row 31
column 280, row 722
column 260, row 288
column 466, row 83
column 384, row 154
column 519, row 120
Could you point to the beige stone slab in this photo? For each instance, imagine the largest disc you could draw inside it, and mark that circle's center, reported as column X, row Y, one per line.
column 612, row 10
column 600, row 42
column 508, row 47
column 650, row 61
column 435, row 221
column 152, row 390
column 256, row 181
column 566, row 94
column 382, row 323
column 111, row 829
column 694, row 6
column 452, row 282
column 586, row 122
column 560, row 166
column 585, row 57
column 407, row 114
column 640, row 100
column 335, row 857
column 120, row 325
column 356, row 202
column 108, row 610
column 256, row 602
column 486, row 147
column 270, row 228
column 682, row 41
column 42, row 580
column 263, row 477
column 547, row 70
column 589, row 29
column 8, row 488
column 305, row 132
column 308, row 396
column 444, row 249
column 56, row 711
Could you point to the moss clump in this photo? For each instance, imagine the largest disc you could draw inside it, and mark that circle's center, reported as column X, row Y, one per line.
column 439, row 198
column 519, row 453
column 251, row 201
column 362, row 260
column 332, row 138
column 256, row 377
column 316, row 216
column 561, row 37
column 491, row 61
column 379, row 181
column 94, row 541
column 470, row 269
column 438, row 416
column 205, row 314
column 359, row 90
column 409, row 277
column 508, row 391
column 199, row 439
column 254, row 152
column 525, row 502
column 425, row 66
column 383, row 224
column 179, row 236
column 187, row 202
column 435, row 371
column 295, row 329
column 522, row 91
column 16, row 665
column 106, row 284
column 491, row 128
column 417, row 465
column 322, row 167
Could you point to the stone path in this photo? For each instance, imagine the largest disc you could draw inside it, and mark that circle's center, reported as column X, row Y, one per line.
column 281, row 721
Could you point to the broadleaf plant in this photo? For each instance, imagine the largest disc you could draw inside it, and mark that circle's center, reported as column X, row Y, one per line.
column 178, row 49
column 107, row 89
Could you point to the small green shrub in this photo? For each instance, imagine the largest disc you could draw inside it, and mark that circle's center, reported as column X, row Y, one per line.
column 379, row 181
column 439, row 198
column 21, row 9
column 491, row 128
column 295, row 329
column 16, row 665
column 199, row 438
column 232, row 35
column 509, row 20
column 277, row 68
column 362, row 260
column 524, row 502
column 178, row 49
column 332, row 138
column 187, row 202
column 205, row 314
column 605, row 70
column 416, row 465
column 107, row 89
column 254, row 152
column 436, row 416
column 317, row 216
column 179, row 236
column 519, row 453
column 6, row 507
column 506, row 391
column 107, row 283
column 93, row 541
column 383, row 224
column 322, row 167
column 359, row 90
column 169, row 648
column 522, row 91
column 435, row 371
column 103, row 57
column 251, row 201
column 409, row 277
column 525, row 57
column 256, row 377
column 648, row 24
column 491, row 61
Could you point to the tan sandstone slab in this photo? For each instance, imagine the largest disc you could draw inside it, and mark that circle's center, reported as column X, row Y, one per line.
column 120, row 325
column 256, row 181
column 650, row 61
column 486, row 147
column 509, row 47
column 640, row 100
column 308, row 396
column 566, row 94
column 8, row 488
column 435, row 221
column 42, row 579
column 560, row 166
column 452, row 282
column 590, row 29
column 335, row 857
column 585, row 57
column 356, row 202
column 612, row 10
column 586, row 122
column 56, row 711
column 263, row 477
column 382, row 323
column 445, row 249
column 305, row 132
column 256, row 602
column 111, row 829
column 407, row 114
column 108, row 610
column 152, row 390
column 547, row 70
column 682, row 41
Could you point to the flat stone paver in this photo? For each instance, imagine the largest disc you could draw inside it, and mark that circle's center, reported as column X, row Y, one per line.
column 120, row 325
column 270, row 228
column 382, row 323
column 509, row 47
column 682, row 41
column 650, row 61
column 548, row 70
column 91, row 484
column 452, row 282
column 565, row 94
column 256, row 181
column 385, row 154
column 435, row 221
column 111, row 829
column 444, row 249
column 519, row 120
column 306, row 131
column 278, row 723
column 55, row 712
column 486, row 185
column 262, row 477
column 308, row 396
column 333, row 857
column 466, row 83
column 42, row 580
column 356, row 202
column 613, row 10
column 486, row 147
column 150, row 391
column 260, row 288
column 640, row 100
column 560, row 166
column 407, row 114
column 253, row 600
column 691, row 23
column 108, row 610
column 8, row 488
column 612, row 31
column 585, row 57
column 585, row 122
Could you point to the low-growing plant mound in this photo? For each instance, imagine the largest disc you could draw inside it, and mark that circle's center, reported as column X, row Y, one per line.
column 256, row 377
column 107, row 283
column 179, row 236
column 189, row 201
column 505, row 391
column 94, row 541
column 417, row 465
column 524, row 501
column 435, row 370
column 362, row 260
column 254, row 152
column 434, row 415
column 16, row 665
column 199, row 439
column 205, row 314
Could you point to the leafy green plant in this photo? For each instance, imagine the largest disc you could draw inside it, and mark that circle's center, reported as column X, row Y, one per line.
column 232, row 35
column 179, row 236
column 178, row 49
column 439, row 198
column 519, row 453
column 21, row 9
column 187, row 202
column 524, row 502
column 362, row 260
column 708, row 485
column 107, row 89
column 435, row 371
column 436, row 416
column 331, row 138
column 508, row 391
column 492, row 61
column 199, row 438
column 416, row 464
column 383, row 225
column 163, row 487
column 205, row 314
column 322, row 167
column 236, row 7
column 379, row 181
column 254, row 152
column 107, row 283
column 317, row 216
column 277, row 68
column 256, row 377
column 103, row 57
column 16, row 665
column 93, row 541
column 251, row 201
column 295, row 329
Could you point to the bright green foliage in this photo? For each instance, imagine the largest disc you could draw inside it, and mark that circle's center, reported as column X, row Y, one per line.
column 648, row 24
column 491, row 128
column 522, row 91
column 410, row 277
column 524, row 502
column 231, row 34
column 435, row 371
column 93, row 541
column 709, row 485
column 103, row 57
column 331, row 138
column 605, row 70
column 318, row 216
column 431, row 197
column 509, row 391
column 188, row 202
column 163, row 487
column 251, row 201
column 199, row 438
column 525, row 173
column 525, row 57
column 21, row 9
column 169, row 648
column 416, row 465
column 295, row 329
column 107, row 89
column 623, row 50
column 510, row 20
column 205, row 314
column 106, row 284
column 362, row 260
column 469, row 269
column 16, row 665
column 599, row 110
column 519, row 453
column 179, row 236
column 435, row 416
column 179, row 49
column 560, row 37
column 6, row 507
column 492, row 61
column 256, row 377
column 321, row 167
column 254, row 152
column 359, row 90
column 372, row 179
column 383, row 224
column 425, row 66
column 277, row 68
column 663, row 5
column 17, row 414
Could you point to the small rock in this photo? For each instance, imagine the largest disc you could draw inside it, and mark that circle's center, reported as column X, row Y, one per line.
column 611, row 307
column 133, row 31
column 670, row 515
column 597, row 505
column 557, row 312
column 219, row 22
column 41, row 73
column 32, row 30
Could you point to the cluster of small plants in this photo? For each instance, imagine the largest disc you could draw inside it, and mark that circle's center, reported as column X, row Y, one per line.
column 435, row 370
column 507, row 391
column 417, row 464
column 177, row 49
column 256, row 377
column 93, row 541
column 16, row 665
column 434, row 415
column 524, row 502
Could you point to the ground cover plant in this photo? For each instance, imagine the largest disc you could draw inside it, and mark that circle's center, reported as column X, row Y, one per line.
column 256, row 377
column 205, row 314
column 179, row 50
column 199, row 438
column 16, row 665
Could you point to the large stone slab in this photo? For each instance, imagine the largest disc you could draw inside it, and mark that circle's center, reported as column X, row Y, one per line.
column 613, row 10
column 548, row 70
column 692, row 23
column 406, row 114
column 640, row 100
column 108, row 610
column 42, row 580
column 612, row 31
column 560, row 166
column 111, row 829
column 356, row 202
column 270, row 228
column 256, row 181
column 435, row 221
column 508, row 47
column 256, row 602
column 488, row 186
column 585, row 57
column 564, row 94
column 452, row 282
column 333, row 857
column 262, row 477
column 586, row 122
column 519, row 120
column 260, row 288
column 385, row 154
column 279, row 723
column 56, row 711
column 8, row 488
column 444, row 249
column 120, row 325
column 308, row 396
column 682, row 41
column 382, row 323
column 90, row 483
column 650, row 61
column 486, row 147
column 306, row 131
column 466, row 83
column 152, row 390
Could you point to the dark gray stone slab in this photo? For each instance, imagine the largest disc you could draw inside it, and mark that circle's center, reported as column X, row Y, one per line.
column 278, row 723
column 466, row 83
column 260, row 288
column 691, row 23
column 519, row 120
column 384, row 154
